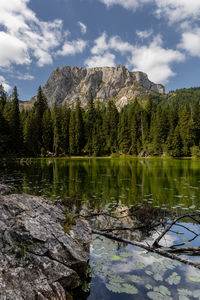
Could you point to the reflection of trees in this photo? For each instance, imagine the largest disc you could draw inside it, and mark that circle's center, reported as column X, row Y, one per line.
column 100, row 181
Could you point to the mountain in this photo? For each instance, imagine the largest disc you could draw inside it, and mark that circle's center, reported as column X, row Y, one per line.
column 66, row 84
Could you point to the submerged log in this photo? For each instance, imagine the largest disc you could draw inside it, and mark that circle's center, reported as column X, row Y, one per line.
column 38, row 259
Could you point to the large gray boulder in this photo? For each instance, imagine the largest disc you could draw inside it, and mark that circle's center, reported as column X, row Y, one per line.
column 38, row 259
column 66, row 84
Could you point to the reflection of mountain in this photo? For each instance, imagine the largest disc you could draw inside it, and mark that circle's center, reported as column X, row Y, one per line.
column 136, row 223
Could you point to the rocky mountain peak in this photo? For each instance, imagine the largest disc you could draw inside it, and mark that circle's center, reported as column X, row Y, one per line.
column 68, row 83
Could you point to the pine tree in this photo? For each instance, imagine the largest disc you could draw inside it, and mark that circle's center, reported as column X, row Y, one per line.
column 16, row 131
column 90, row 120
column 110, row 127
column 65, row 119
column 47, row 131
column 185, row 129
column 57, row 134
column 123, row 133
column 79, row 128
column 72, row 133
column 3, row 97
column 177, row 143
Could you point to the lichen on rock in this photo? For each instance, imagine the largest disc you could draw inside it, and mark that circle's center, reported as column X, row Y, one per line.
column 38, row 260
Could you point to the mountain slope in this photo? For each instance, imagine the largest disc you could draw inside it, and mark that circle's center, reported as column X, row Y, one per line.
column 66, row 84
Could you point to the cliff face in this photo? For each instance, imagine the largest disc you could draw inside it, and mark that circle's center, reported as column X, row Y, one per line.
column 66, row 84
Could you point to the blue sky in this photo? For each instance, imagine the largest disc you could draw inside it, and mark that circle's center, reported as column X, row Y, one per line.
column 159, row 37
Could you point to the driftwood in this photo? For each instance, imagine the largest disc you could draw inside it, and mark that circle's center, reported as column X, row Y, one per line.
column 148, row 248
column 155, row 247
column 156, row 242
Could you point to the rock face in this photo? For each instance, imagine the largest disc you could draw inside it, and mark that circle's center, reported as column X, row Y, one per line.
column 38, row 260
column 66, row 84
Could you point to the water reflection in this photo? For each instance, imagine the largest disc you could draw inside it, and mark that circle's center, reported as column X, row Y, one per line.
column 122, row 271
column 158, row 182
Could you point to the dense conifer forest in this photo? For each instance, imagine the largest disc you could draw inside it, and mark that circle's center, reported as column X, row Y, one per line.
column 158, row 125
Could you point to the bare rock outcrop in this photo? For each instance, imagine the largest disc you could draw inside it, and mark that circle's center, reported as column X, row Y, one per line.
column 66, row 84
column 38, row 260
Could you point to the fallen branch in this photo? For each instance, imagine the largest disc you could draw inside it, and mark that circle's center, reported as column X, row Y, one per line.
column 148, row 248
column 156, row 242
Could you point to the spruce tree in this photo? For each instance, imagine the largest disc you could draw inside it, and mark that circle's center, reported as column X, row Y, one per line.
column 79, row 128
column 123, row 133
column 185, row 129
column 16, row 131
column 90, row 120
column 47, row 131
column 72, row 133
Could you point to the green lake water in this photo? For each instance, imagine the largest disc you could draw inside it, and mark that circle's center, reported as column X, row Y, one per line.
column 120, row 271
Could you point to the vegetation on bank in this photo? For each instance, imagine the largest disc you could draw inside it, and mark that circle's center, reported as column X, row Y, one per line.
column 160, row 125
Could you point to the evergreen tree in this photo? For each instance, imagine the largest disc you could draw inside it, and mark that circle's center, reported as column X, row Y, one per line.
column 16, row 131
column 90, row 120
column 123, row 133
column 110, row 127
column 185, row 129
column 47, row 132
column 177, row 143
column 72, row 133
column 3, row 97
column 65, row 119
column 79, row 128
column 57, row 134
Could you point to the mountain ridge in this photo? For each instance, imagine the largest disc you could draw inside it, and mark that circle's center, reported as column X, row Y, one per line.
column 67, row 84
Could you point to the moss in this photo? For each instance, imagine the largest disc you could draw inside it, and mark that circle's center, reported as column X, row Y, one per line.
column 70, row 220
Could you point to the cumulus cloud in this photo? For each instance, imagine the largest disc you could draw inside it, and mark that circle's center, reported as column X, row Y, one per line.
column 83, row 27
column 72, row 48
column 6, row 86
column 155, row 60
column 26, row 37
column 105, row 60
column 144, row 34
column 152, row 58
column 173, row 10
column 24, row 76
column 190, row 42
column 128, row 4
column 178, row 10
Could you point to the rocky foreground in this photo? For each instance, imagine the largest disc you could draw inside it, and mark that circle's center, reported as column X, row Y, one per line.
column 38, row 260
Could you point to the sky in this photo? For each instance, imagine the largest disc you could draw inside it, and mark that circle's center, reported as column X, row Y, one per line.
column 158, row 37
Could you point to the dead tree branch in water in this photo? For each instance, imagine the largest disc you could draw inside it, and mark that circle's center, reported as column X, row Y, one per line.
column 148, row 248
column 148, row 220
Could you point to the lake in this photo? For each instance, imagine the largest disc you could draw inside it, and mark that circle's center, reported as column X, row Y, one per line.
column 155, row 188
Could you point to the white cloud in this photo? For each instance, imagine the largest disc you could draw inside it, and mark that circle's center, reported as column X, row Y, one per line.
column 155, row 60
column 178, row 10
column 6, row 86
column 72, row 48
column 190, row 42
column 26, row 37
column 174, row 10
column 100, row 45
column 152, row 58
column 83, row 27
column 144, row 34
column 24, row 77
column 128, row 4
column 12, row 50
column 105, row 60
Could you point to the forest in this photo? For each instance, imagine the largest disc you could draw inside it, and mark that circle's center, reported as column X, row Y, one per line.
column 158, row 125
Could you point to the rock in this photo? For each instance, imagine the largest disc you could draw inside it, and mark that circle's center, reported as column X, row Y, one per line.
column 38, row 260
column 5, row 189
column 66, row 84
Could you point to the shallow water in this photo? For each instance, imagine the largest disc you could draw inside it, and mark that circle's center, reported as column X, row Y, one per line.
column 120, row 271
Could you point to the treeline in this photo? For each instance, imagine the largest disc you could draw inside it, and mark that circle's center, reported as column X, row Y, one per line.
column 142, row 128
